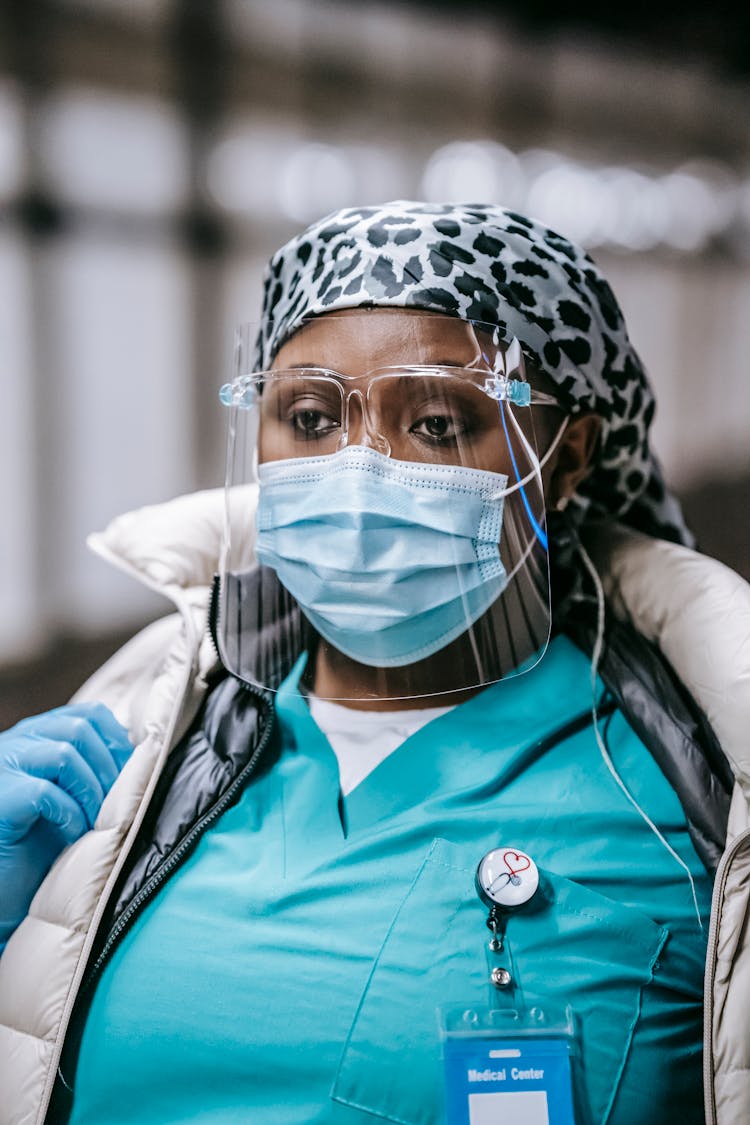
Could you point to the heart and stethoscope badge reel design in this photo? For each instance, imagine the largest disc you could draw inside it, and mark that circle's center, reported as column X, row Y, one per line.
column 507, row 878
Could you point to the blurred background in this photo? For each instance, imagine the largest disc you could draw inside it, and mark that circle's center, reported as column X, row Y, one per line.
column 153, row 153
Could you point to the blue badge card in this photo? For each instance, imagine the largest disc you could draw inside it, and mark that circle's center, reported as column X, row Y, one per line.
column 508, row 1069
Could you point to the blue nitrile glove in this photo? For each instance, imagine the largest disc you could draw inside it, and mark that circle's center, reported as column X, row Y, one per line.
column 55, row 770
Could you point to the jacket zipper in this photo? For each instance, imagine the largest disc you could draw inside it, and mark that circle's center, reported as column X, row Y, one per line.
column 171, row 864
column 708, row 995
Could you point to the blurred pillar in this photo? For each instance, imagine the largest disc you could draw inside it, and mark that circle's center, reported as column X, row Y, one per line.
column 201, row 58
column 29, row 29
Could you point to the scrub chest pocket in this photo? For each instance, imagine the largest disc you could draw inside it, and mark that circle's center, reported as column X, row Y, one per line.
column 581, row 948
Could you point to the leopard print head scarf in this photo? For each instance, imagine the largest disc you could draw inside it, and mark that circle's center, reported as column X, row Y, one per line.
column 482, row 262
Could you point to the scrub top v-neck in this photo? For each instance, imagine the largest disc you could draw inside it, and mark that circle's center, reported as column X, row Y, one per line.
column 290, row 971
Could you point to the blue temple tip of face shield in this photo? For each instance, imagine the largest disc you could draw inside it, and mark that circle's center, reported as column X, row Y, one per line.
column 242, row 393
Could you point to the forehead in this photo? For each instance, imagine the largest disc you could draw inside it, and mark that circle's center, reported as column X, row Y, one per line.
column 356, row 341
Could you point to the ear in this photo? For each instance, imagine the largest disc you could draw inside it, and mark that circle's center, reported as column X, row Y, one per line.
column 573, row 456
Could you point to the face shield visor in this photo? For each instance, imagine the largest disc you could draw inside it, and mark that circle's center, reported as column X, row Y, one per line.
column 385, row 507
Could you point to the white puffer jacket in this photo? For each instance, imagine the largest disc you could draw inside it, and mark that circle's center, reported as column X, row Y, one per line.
column 694, row 608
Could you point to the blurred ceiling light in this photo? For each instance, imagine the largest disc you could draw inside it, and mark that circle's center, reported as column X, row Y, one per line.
column 474, row 172
column 573, row 200
column 705, row 200
column 12, row 164
column 316, row 179
column 723, row 184
column 694, row 214
column 639, row 216
column 263, row 169
column 116, row 153
column 617, row 206
column 381, row 173
column 243, row 167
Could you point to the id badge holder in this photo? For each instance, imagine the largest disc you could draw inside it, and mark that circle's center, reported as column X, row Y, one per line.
column 505, row 1066
column 504, row 1063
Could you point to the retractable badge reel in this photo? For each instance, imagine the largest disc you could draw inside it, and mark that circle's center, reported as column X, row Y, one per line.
column 504, row 1062
column 507, row 880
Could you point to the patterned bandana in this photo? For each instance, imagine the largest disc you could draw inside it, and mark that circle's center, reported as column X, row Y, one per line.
column 481, row 262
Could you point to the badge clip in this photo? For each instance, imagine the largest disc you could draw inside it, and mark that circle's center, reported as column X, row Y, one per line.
column 507, row 880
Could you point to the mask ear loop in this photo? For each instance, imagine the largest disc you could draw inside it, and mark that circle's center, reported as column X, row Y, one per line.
column 595, row 659
column 520, row 484
column 535, row 472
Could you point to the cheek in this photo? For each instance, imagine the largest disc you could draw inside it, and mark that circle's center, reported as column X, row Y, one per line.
column 269, row 443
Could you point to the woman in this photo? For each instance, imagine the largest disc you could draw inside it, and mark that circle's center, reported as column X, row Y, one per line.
column 277, row 906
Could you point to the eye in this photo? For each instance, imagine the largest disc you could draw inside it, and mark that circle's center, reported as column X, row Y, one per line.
column 441, row 426
column 308, row 422
column 438, row 426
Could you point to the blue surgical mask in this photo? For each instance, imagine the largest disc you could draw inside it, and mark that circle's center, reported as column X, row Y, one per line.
column 389, row 560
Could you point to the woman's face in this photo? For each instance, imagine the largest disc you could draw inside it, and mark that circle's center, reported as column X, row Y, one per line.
column 438, row 418
column 342, row 381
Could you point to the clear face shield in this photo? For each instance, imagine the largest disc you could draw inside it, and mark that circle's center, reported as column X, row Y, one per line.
column 385, row 508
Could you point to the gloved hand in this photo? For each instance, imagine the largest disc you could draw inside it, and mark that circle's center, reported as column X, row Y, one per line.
column 55, row 770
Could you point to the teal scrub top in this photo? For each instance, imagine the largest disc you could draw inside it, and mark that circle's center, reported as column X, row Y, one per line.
column 291, row 970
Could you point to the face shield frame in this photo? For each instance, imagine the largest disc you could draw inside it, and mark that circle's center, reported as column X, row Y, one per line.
column 497, row 376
